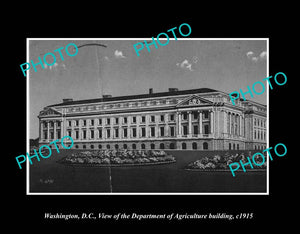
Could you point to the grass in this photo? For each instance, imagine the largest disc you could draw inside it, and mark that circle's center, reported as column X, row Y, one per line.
column 50, row 176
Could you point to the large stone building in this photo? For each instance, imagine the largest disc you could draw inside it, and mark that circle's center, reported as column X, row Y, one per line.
column 202, row 119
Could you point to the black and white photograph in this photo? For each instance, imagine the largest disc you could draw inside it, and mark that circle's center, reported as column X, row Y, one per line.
column 157, row 121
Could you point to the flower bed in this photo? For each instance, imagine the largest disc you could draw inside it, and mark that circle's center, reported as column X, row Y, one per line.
column 221, row 162
column 118, row 157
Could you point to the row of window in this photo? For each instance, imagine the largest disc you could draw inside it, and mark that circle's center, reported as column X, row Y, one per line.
column 134, row 119
column 122, row 105
column 259, row 122
column 143, row 146
column 259, row 135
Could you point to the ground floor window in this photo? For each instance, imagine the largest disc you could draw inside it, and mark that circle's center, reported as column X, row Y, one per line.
column 194, row 145
column 205, row 145
column 183, row 145
column 161, row 146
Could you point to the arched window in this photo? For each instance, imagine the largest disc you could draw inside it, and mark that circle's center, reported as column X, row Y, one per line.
column 229, row 146
column 152, row 146
column 76, row 146
column 133, row 146
column 107, row 146
column 233, row 146
column 124, row 146
column 143, row 146
column 183, row 145
column 172, row 146
column 161, row 146
column 92, row 146
column 84, row 146
column 194, row 145
column 205, row 145
column 116, row 146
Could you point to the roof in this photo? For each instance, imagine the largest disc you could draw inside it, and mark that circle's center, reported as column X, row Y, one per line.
column 139, row 96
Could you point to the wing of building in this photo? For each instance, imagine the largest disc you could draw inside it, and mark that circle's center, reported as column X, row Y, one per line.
column 202, row 119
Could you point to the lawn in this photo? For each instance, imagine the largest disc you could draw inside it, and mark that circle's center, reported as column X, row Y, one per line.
column 50, row 176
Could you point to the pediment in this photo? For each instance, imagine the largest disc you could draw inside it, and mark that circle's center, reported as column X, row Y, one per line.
column 49, row 112
column 194, row 100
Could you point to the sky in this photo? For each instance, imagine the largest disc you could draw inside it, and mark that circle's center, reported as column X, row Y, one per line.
column 225, row 65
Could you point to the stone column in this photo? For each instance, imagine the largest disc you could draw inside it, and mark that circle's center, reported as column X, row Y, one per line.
column 241, row 125
column 48, row 130
column 179, row 124
column 54, row 130
column 211, row 121
column 229, row 123
column 190, row 124
column 200, row 122
column 41, row 130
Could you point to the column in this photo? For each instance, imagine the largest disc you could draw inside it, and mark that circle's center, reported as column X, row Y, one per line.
column 137, row 127
column 229, row 130
column 54, row 130
column 190, row 123
column 48, row 130
column 156, row 125
column 147, row 126
column 166, row 125
column 179, row 124
column 211, row 121
column 241, row 125
column 41, row 130
column 200, row 122
column 128, row 128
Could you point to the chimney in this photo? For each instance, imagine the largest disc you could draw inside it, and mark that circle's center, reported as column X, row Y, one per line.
column 107, row 96
column 67, row 100
column 173, row 89
column 151, row 91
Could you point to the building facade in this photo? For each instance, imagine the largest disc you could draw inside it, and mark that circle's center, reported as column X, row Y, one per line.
column 199, row 119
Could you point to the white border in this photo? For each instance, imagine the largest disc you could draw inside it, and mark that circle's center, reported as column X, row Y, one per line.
column 99, row 39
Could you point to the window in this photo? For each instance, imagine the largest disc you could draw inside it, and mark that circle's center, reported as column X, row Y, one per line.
column 77, row 123
column 125, row 132
column 152, row 146
column 229, row 146
column 172, row 131
column 133, row 132
column 125, row 120
column 143, row 132
column 69, row 123
column 143, row 119
column 172, row 146
column 152, row 129
column 172, row 117
column 84, row 122
column 183, row 145
column 58, row 134
column 162, row 131
column 205, row 145
column 92, row 122
column 84, row 146
column 84, row 134
column 116, row 132
column 107, row 146
column 194, row 145
column 161, row 146
column 195, row 115
column 108, row 121
column 133, row 146
column 143, row 146
column 184, row 116
column 185, row 130
column 99, row 146
column 92, row 146
column 133, row 119
column 124, row 146
column 205, row 114
column 100, row 133
column 77, row 134
column 152, row 118
column 195, row 129
column 92, row 133
column 162, row 118
column 52, row 134
column 116, row 146
column 100, row 121
column 107, row 133
column 206, row 129
column 116, row 120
